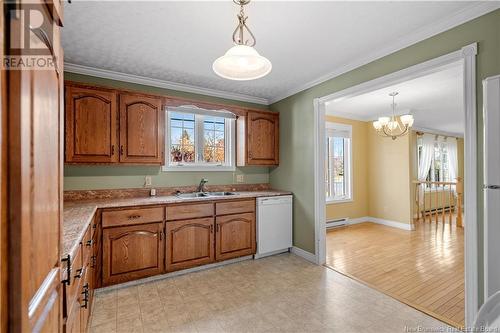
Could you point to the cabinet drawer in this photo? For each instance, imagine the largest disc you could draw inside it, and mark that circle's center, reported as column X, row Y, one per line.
column 132, row 216
column 75, row 279
column 235, row 207
column 189, row 211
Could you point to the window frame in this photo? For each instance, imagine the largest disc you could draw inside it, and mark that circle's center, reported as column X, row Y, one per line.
column 442, row 147
column 348, row 164
column 229, row 145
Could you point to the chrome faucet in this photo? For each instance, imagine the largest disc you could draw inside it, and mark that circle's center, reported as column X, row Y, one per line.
column 201, row 187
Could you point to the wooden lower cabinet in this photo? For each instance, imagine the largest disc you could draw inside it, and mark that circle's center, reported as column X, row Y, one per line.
column 85, row 300
column 189, row 243
column 132, row 252
column 73, row 322
column 235, row 236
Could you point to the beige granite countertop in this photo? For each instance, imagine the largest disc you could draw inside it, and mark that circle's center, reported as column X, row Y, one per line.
column 79, row 214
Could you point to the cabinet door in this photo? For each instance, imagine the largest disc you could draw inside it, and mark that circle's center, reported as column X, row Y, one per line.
column 141, row 129
column 235, row 236
column 262, row 138
column 32, row 160
column 189, row 243
column 84, row 301
column 132, row 252
column 73, row 321
column 91, row 126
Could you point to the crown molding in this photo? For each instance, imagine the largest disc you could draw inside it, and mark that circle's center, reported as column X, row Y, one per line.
column 468, row 13
column 119, row 76
column 437, row 132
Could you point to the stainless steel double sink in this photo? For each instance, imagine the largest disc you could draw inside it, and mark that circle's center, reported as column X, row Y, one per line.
column 192, row 195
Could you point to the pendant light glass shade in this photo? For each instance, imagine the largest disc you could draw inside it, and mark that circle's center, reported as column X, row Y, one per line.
column 241, row 63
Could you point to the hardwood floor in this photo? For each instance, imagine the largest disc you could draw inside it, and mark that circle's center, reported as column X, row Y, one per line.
column 422, row 268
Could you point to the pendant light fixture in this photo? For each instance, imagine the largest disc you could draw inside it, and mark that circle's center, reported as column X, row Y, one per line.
column 393, row 126
column 242, row 62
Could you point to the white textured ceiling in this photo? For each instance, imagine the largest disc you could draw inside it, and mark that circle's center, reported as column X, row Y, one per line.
column 177, row 41
column 435, row 100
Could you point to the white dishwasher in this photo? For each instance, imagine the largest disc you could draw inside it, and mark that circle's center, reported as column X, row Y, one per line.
column 274, row 225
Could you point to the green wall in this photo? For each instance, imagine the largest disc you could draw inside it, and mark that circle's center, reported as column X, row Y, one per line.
column 295, row 172
column 108, row 177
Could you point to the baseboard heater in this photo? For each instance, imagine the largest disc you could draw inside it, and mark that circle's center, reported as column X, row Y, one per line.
column 337, row 223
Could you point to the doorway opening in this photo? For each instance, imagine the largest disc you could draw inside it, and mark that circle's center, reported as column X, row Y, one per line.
column 393, row 213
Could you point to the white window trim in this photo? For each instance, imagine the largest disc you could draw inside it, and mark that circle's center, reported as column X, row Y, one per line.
column 349, row 179
column 230, row 150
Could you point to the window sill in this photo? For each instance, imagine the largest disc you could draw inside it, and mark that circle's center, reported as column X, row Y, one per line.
column 199, row 168
column 337, row 201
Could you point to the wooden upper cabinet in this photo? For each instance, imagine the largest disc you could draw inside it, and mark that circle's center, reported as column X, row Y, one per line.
column 141, row 129
column 91, row 126
column 258, row 139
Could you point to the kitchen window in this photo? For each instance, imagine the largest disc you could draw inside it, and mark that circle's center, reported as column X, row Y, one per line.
column 338, row 162
column 199, row 139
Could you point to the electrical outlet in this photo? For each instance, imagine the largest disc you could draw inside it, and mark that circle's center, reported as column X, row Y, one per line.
column 147, row 181
column 240, row 178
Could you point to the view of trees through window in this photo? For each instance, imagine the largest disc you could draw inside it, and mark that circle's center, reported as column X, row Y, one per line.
column 336, row 185
column 183, row 140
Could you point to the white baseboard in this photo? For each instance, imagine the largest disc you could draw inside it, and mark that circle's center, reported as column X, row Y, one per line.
column 304, row 254
column 359, row 220
column 389, row 223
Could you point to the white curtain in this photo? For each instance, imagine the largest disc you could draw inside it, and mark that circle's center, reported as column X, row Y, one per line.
column 424, row 164
column 451, row 146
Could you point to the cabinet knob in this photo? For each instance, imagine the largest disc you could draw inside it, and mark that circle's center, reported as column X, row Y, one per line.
column 133, row 217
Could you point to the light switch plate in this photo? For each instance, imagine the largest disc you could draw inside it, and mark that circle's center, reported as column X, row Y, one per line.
column 147, row 181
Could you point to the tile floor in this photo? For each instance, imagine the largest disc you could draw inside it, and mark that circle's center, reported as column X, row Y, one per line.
column 277, row 294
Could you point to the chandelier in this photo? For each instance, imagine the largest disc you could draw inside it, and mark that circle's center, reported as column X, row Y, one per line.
column 393, row 126
column 242, row 62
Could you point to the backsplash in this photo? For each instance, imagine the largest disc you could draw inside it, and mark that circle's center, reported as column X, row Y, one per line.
column 78, row 195
column 91, row 177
